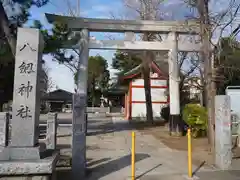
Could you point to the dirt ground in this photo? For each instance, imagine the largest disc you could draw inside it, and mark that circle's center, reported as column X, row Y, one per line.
column 201, row 152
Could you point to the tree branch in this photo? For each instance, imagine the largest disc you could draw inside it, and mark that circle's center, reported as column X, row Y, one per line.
column 4, row 27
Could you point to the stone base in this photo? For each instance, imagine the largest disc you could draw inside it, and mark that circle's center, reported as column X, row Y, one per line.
column 190, row 178
column 176, row 134
column 144, row 119
column 43, row 177
column 22, row 153
column 4, row 154
column 35, row 168
column 175, row 125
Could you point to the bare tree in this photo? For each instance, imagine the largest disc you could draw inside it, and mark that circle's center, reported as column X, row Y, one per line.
column 147, row 13
column 212, row 23
column 47, row 80
column 68, row 56
column 149, row 10
column 50, row 84
column 152, row 10
column 145, row 10
column 191, row 75
column 5, row 29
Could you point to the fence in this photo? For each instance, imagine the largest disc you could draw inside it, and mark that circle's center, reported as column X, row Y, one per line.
column 98, row 109
column 47, row 131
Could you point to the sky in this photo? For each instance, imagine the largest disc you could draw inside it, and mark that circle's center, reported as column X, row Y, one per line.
column 62, row 77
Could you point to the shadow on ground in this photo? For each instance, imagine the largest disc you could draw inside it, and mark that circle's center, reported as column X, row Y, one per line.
column 109, row 167
column 63, row 146
column 96, row 162
column 102, row 167
column 110, row 127
column 219, row 175
column 64, row 135
column 148, row 171
column 198, row 168
column 63, row 174
column 98, row 168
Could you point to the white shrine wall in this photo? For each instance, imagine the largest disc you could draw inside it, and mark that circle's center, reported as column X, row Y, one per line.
column 138, row 102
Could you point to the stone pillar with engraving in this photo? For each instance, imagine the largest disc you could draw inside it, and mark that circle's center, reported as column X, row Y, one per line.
column 223, row 134
column 24, row 156
column 26, row 94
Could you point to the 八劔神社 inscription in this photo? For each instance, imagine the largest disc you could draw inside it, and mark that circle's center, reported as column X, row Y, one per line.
column 26, row 68
column 25, row 88
column 27, row 45
column 23, row 112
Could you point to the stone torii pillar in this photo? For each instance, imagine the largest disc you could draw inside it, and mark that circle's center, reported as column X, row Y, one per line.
column 79, row 111
column 174, row 79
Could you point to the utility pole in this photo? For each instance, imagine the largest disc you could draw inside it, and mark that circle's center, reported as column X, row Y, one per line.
column 78, row 8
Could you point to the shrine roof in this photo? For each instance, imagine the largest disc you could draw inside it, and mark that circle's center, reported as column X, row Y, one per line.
column 59, row 95
column 161, row 68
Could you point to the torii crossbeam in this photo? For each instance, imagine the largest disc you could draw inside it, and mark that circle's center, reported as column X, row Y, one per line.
column 137, row 26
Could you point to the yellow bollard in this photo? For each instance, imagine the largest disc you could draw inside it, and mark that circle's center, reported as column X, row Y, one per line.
column 133, row 155
column 189, row 153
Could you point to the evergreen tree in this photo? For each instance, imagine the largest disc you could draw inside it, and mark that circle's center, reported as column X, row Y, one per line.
column 124, row 61
column 13, row 14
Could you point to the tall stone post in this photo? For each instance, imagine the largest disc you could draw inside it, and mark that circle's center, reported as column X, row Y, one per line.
column 223, row 134
column 4, row 138
column 79, row 111
column 25, row 158
column 26, row 95
column 4, row 123
column 174, row 84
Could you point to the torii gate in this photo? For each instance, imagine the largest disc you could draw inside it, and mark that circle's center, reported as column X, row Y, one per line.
column 171, row 44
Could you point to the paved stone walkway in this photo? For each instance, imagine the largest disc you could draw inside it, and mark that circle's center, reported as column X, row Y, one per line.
column 109, row 148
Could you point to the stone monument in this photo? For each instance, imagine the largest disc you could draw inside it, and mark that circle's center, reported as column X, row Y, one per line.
column 102, row 101
column 51, row 137
column 25, row 155
column 4, row 122
column 223, row 135
column 26, row 94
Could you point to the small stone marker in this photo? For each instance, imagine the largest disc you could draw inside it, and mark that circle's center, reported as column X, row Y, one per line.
column 4, row 122
column 26, row 96
column 238, row 140
column 51, row 139
column 223, row 135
